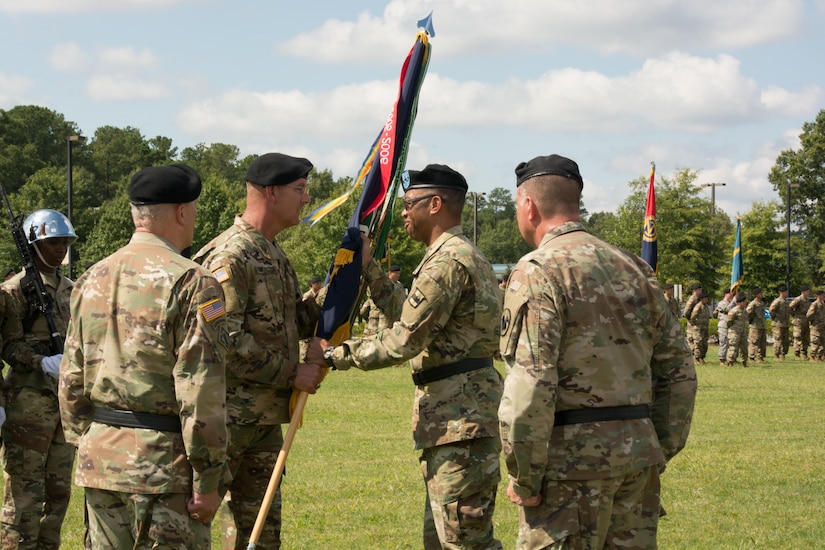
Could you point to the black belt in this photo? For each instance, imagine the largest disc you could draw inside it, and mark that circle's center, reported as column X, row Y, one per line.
column 445, row 371
column 601, row 414
column 131, row 419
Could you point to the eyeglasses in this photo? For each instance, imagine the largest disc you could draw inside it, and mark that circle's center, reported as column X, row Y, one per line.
column 409, row 203
column 303, row 189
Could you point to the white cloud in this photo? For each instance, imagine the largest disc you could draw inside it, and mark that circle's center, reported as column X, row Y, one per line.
column 68, row 57
column 12, row 89
column 114, row 87
column 82, row 6
column 126, row 57
column 484, row 26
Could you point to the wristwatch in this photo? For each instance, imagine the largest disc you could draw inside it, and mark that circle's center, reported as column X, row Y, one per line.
column 328, row 356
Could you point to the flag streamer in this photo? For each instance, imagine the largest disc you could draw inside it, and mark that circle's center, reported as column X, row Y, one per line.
column 737, row 272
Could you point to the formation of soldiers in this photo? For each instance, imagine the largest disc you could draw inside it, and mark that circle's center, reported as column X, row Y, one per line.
column 741, row 324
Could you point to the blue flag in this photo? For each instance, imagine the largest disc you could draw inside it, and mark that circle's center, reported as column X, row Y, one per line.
column 737, row 272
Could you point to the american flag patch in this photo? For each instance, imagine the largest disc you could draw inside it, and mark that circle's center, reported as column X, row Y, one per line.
column 221, row 274
column 212, row 310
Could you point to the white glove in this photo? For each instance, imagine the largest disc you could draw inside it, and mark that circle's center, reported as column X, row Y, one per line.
column 51, row 365
column 2, row 416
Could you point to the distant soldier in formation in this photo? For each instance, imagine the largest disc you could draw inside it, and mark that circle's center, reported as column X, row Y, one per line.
column 816, row 319
column 801, row 328
column 698, row 328
column 380, row 318
column 737, row 319
column 37, row 460
column 720, row 312
column 697, row 290
column 672, row 302
column 757, row 341
column 780, row 323
column 314, row 288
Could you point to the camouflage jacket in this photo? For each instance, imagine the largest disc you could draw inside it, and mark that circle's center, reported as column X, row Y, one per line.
column 799, row 310
column 381, row 318
column 673, row 304
column 700, row 316
column 25, row 354
column 780, row 313
column 452, row 312
column 756, row 314
column 816, row 315
column 721, row 312
column 266, row 315
column 586, row 325
column 147, row 335
column 738, row 320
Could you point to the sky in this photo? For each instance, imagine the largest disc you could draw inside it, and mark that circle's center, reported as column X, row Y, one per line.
column 717, row 86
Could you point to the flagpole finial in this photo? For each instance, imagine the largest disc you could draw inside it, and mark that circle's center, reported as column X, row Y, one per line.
column 427, row 24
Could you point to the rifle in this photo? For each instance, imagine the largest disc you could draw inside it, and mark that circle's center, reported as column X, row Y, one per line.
column 32, row 283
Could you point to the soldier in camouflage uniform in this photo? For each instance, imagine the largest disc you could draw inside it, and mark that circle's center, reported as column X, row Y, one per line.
column 757, row 340
column 780, row 323
column 449, row 332
column 801, row 330
column 142, row 388
column 600, row 382
column 816, row 320
column 698, row 328
column 672, row 302
column 267, row 317
column 738, row 331
column 720, row 312
column 378, row 319
column 37, row 460
column 692, row 299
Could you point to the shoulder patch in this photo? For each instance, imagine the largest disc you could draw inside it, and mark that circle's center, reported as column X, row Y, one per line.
column 506, row 321
column 416, row 298
column 221, row 274
column 212, row 309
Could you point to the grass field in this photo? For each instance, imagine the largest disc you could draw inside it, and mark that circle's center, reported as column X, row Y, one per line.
column 752, row 474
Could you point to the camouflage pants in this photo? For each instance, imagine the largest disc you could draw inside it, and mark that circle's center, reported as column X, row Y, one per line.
column 737, row 344
column 37, row 463
column 252, row 451
column 722, row 333
column 620, row 512
column 124, row 520
column 698, row 340
column 780, row 341
column 801, row 338
column 461, row 479
column 817, row 343
column 757, row 342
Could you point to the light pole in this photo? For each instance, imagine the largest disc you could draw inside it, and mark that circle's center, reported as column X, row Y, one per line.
column 69, row 141
column 713, row 206
column 788, row 241
column 475, row 215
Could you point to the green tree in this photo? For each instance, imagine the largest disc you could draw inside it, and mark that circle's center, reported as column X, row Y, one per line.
column 763, row 248
column 805, row 168
column 117, row 153
column 218, row 159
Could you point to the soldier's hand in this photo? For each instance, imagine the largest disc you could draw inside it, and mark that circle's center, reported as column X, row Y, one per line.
column 51, row 365
column 315, row 350
column 366, row 254
column 203, row 506
column 308, row 377
column 522, row 501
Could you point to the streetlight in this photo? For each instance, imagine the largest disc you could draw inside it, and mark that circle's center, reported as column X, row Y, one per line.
column 788, row 242
column 475, row 215
column 69, row 140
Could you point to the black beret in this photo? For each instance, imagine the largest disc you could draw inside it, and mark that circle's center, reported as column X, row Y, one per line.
column 315, row 280
column 703, row 295
column 820, row 292
column 554, row 165
column 395, row 268
column 434, row 175
column 277, row 169
column 756, row 291
column 170, row 184
column 725, row 291
column 669, row 286
column 804, row 287
column 697, row 286
column 741, row 297
column 782, row 288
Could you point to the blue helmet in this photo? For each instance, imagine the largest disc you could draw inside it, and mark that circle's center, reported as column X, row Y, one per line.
column 47, row 224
